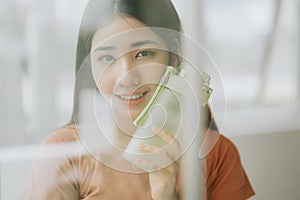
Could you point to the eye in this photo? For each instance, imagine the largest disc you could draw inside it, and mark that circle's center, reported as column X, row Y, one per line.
column 145, row 53
column 107, row 58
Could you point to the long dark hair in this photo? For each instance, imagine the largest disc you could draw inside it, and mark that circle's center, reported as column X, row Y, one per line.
column 98, row 13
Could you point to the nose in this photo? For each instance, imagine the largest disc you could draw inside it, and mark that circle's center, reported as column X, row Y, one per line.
column 128, row 76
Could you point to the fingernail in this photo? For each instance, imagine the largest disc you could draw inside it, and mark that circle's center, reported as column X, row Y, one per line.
column 156, row 130
column 145, row 147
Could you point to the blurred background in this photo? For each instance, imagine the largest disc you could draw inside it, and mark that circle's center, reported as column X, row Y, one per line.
column 255, row 45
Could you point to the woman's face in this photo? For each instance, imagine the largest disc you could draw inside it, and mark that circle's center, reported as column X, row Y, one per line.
column 127, row 64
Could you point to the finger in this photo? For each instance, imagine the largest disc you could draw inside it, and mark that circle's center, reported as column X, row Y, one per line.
column 149, row 148
column 162, row 152
column 159, row 151
column 155, row 168
column 167, row 137
column 146, row 164
column 172, row 143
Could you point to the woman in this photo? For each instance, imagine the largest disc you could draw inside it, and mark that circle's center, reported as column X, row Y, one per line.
column 126, row 68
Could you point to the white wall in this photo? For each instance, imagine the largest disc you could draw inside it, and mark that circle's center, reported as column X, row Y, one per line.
column 272, row 162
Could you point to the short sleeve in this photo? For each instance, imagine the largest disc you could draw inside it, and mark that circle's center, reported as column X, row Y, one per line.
column 226, row 179
column 54, row 176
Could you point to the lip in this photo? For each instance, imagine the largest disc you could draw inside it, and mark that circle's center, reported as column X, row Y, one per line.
column 133, row 102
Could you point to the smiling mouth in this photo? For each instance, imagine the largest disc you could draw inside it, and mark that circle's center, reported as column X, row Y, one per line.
column 133, row 98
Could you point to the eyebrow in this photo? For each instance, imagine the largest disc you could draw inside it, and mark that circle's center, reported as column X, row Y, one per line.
column 134, row 45
column 104, row 48
column 144, row 42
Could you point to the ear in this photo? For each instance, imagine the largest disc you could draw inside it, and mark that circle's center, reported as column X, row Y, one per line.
column 174, row 59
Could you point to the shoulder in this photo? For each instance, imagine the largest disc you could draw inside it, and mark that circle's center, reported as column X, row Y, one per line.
column 226, row 175
column 219, row 150
column 53, row 174
column 65, row 134
column 223, row 147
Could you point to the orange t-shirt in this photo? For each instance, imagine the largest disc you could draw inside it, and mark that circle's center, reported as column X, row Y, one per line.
column 226, row 176
column 83, row 177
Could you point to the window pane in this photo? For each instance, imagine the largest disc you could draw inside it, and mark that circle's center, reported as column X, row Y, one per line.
column 237, row 35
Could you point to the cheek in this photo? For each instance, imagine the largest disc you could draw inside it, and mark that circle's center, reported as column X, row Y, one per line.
column 104, row 81
column 105, row 85
column 163, row 58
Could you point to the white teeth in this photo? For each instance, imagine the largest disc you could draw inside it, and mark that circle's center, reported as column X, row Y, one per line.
column 133, row 97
